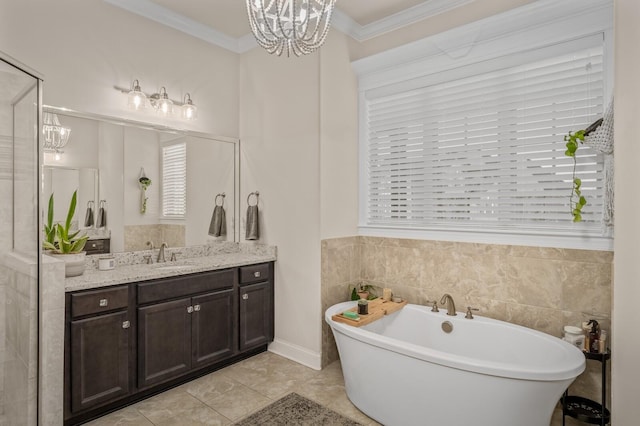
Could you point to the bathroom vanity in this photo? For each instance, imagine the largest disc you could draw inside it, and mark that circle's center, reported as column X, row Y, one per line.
column 140, row 329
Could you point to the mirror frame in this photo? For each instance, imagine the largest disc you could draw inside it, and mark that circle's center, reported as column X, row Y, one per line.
column 173, row 130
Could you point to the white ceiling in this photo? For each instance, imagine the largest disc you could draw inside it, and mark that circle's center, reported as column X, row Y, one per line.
column 225, row 22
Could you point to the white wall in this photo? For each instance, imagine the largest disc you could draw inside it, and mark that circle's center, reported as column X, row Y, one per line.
column 280, row 134
column 338, row 139
column 626, row 287
column 85, row 48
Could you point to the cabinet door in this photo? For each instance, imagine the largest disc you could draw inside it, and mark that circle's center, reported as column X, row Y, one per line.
column 214, row 327
column 164, row 341
column 255, row 315
column 99, row 359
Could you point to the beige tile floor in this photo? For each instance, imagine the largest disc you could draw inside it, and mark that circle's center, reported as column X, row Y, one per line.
column 230, row 394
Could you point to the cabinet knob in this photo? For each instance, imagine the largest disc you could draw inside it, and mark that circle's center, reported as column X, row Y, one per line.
column 256, row 274
column 103, row 303
column 189, row 309
column 196, row 308
column 126, row 324
column 245, row 296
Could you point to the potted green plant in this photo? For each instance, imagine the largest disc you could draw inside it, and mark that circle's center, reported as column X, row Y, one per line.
column 573, row 141
column 363, row 291
column 576, row 199
column 65, row 244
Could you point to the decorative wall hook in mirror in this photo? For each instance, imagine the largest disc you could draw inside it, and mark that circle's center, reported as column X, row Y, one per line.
column 159, row 102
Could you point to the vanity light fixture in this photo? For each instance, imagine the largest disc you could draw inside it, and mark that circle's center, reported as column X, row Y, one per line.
column 55, row 135
column 159, row 102
column 162, row 103
column 295, row 26
column 137, row 99
column 189, row 110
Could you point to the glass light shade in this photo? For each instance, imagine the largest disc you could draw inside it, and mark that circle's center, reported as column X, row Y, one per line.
column 55, row 136
column 164, row 105
column 295, row 26
column 136, row 99
column 189, row 110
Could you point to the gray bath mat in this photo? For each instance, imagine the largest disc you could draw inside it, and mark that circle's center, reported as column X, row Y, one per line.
column 294, row 409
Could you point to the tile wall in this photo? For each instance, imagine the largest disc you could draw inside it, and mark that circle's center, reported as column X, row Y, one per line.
column 136, row 236
column 20, row 361
column 540, row 288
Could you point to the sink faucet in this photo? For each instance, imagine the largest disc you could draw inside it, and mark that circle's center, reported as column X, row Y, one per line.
column 161, row 252
column 451, row 306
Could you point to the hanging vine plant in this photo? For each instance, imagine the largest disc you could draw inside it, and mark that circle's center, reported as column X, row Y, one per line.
column 573, row 140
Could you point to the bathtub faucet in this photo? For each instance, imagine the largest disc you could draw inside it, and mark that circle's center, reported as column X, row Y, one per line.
column 451, row 306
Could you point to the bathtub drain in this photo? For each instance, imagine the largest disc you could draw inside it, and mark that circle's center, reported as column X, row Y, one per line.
column 447, row 327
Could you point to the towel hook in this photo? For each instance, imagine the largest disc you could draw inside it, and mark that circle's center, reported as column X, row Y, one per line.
column 256, row 193
column 220, row 196
column 90, row 204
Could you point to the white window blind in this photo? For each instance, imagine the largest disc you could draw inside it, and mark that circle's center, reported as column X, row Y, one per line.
column 174, row 181
column 486, row 151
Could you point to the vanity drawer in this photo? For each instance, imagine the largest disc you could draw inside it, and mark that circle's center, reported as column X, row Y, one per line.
column 185, row 285
column 97, row 301
column 254, row 273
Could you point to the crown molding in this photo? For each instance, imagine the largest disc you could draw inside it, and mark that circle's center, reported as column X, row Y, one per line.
column 164, row 16
column 340, row 21
column 417, row 13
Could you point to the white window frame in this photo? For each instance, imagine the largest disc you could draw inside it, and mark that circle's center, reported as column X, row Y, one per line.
column 535, row 26
column 165, row 186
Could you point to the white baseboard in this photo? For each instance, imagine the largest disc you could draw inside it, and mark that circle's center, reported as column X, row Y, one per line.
column 297, row 353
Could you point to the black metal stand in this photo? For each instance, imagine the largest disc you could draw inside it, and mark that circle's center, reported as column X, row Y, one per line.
column 587, row 410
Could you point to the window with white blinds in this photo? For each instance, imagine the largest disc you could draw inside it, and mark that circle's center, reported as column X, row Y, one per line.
column 174, row 181
column 482, row 148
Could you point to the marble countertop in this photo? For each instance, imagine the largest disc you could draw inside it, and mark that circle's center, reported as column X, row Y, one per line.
column 122, row 274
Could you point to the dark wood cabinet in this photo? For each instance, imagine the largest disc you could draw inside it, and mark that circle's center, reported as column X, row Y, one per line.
column 164, row 341
column 99, row 359
column 177, row 336
column 214, row 327
column 255, row 315
column 99, row 347
column 127, row 342
column 256, row 305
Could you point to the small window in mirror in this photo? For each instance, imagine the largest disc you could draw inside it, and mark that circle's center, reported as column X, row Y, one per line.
column 174, row 181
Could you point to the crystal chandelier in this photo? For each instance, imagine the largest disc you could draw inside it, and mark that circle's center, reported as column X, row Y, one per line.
column 295, row 26
column 55, row 136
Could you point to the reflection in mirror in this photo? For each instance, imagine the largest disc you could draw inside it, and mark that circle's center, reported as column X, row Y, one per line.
column 62, row 181
column 117, row 152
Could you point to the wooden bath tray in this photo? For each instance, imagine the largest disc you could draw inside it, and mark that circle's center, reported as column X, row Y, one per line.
column 377, row 309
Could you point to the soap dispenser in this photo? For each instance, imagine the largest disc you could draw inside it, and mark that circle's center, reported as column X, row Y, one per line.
column 594, row 336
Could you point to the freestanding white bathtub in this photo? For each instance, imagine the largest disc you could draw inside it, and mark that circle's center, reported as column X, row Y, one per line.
column 405, row 370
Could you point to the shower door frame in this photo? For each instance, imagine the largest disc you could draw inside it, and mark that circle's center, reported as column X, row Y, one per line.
column 39, row 80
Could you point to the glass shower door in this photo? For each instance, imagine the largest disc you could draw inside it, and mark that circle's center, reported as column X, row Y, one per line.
column 20, row 105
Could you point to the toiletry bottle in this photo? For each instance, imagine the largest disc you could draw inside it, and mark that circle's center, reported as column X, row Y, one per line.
column 603, row 341
column 594, row 337
column 586, row 328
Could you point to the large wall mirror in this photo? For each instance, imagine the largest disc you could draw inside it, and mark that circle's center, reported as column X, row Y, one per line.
column 104, row 160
